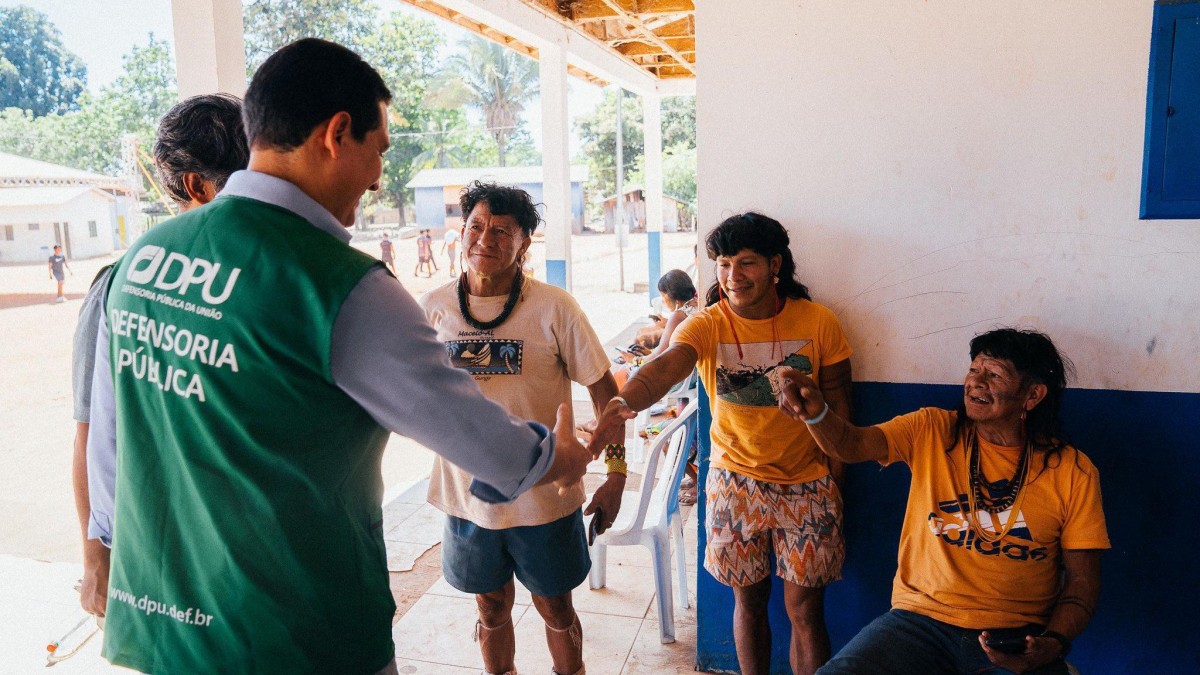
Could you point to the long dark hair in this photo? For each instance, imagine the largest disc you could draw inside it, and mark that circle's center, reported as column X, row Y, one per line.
column 677, row 285
column 766, row 237
column 1037, row 361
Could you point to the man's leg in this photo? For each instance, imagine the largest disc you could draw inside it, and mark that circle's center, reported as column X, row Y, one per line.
column 899, row 643
column 474, row 561
column 810, row 640
column 497, row 641
column 551, row 560
column 751, row 629
column 564, row 635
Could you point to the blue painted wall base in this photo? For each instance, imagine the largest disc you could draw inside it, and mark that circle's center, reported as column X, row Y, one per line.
column 654, row 251
column 1145, row 446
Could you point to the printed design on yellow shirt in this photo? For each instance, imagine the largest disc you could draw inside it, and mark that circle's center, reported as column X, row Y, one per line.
column 746, row 380
column 487, row 356
column 949, row 525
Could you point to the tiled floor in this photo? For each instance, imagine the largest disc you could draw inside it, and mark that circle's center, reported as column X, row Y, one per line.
column 620, row 622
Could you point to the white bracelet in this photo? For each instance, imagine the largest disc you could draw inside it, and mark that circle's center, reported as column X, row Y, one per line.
column 818, row 418
column 621, row 400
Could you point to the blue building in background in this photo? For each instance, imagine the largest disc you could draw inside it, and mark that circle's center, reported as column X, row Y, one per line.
column 437, row 190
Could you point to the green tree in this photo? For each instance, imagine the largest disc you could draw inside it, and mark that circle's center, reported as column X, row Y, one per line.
column 89, row 138
column 500, row 82
column 37, row 73
column 271, row 24
column 598, row 131
column 402, row 48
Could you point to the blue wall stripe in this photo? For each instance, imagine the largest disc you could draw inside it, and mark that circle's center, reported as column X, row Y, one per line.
column 1145, row 446
column 654, row 251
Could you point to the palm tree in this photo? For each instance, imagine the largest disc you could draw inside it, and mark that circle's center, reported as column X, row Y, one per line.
column 507, row 351
column 500, row 82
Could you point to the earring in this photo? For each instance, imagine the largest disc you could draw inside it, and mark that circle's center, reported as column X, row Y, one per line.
column 776, row 279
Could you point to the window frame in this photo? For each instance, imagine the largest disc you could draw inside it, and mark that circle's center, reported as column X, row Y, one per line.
column 1158, row 89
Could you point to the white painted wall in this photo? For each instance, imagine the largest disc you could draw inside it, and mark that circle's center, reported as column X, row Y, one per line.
column 945, row 167
column 35, row 245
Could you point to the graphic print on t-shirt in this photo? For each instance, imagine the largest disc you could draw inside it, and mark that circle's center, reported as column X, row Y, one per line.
column 746, row 380
column 949, row 524
column 486, row 356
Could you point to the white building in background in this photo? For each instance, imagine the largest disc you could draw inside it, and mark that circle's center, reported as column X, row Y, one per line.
column 43, row 204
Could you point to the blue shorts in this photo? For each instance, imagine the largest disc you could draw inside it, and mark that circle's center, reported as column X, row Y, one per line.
column 906, row 643
column 550, row 560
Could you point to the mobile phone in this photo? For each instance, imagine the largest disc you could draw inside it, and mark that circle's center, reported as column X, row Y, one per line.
column 1013, row 644
column 594, row 526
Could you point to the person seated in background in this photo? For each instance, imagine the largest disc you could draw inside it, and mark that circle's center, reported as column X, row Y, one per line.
column 679, row 299
column 201, row 142
column 999, row 564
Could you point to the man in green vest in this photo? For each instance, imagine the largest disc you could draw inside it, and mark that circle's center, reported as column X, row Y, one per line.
column 259, row 363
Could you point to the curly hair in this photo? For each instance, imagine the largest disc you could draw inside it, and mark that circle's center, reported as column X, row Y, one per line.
column 502, row 200
column 204, row 135
column 766, row 237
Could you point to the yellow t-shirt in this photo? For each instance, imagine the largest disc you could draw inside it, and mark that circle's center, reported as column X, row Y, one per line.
column 750, row 436
column 945, row 571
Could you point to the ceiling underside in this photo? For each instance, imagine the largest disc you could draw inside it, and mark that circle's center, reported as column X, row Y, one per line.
column 657, row 36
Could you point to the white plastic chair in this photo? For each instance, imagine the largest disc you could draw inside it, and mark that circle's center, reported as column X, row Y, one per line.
column 656, row 523
column 687, row 388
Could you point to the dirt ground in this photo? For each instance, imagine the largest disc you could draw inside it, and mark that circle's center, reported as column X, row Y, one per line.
column 36, row 430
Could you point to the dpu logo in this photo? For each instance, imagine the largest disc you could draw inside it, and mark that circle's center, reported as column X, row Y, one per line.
column 151, row 260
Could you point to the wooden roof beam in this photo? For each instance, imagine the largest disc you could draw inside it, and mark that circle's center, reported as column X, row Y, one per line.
column 638, row 24
column 586, row 10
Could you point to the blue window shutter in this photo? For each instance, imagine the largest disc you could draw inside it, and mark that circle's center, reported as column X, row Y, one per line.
column 1171, row 168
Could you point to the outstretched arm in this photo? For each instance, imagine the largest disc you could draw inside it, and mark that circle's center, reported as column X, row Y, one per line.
column 608, row 496
column 651, row 383
column 800, row 398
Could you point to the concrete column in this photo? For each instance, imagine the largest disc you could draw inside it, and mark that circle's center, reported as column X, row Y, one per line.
column 210, row 47
column 556, row 165
column 652, row 138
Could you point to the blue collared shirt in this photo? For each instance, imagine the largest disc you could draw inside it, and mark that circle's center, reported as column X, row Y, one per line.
column 385, row 356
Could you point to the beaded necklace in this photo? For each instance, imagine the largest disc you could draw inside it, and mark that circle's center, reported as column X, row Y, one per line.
column 509, row 304
column 1010, row 501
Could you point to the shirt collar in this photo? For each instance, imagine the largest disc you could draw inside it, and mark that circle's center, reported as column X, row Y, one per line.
column 284, row 194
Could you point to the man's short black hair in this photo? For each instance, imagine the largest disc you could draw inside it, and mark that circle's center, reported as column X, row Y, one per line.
column 763, row 235
column 306, row 83
column 502, row 200
column 204, row 135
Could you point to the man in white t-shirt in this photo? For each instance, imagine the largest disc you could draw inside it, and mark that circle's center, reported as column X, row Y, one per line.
column 524, row 342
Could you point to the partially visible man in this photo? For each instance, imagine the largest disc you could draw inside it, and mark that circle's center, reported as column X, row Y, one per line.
column 999, row 565
column 201, row 141
column 425, row 254
column 258, row 364
column 524, row 342
column 55, row 265
column 387, row 253
column 771, row 492
column 450, row 248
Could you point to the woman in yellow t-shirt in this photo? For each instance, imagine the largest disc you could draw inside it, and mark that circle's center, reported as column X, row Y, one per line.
column 770, row 491
column 999, row 563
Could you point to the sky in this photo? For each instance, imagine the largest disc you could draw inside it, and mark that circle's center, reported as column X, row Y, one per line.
column 101, row 33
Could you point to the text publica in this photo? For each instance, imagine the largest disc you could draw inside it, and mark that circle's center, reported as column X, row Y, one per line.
column 168, row 338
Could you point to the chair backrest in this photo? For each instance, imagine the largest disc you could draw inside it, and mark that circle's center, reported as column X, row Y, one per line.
column 659, row 502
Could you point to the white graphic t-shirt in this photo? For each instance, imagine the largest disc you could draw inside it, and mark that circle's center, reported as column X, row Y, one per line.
column 525, row 364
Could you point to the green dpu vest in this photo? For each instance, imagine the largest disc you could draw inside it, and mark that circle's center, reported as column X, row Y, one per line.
column 248, row 530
